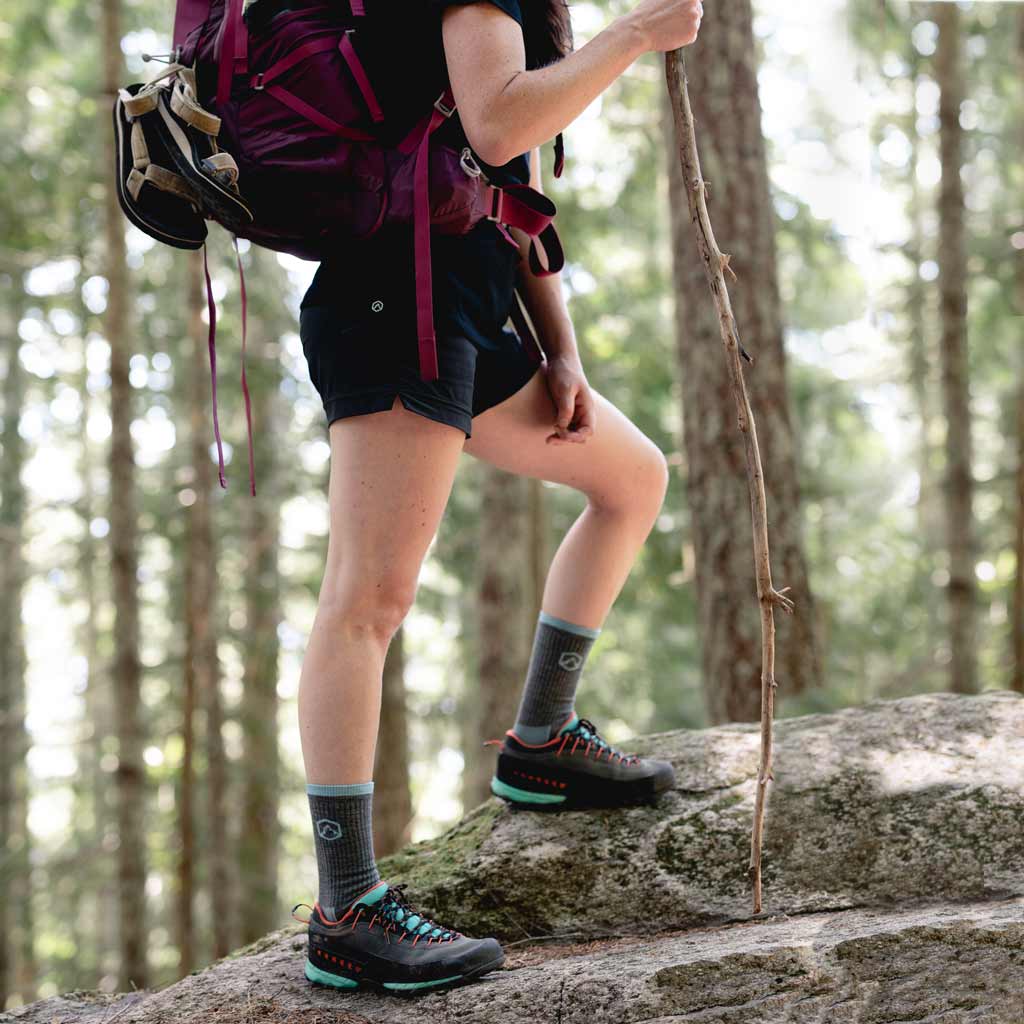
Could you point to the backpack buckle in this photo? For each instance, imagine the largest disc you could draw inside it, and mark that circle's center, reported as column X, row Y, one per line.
column 257, row 85
column 443, row 107
column 496, row 203
column 468, row 164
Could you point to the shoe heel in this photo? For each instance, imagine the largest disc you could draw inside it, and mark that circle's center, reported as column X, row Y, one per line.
column 521, row 796
column 322, row 977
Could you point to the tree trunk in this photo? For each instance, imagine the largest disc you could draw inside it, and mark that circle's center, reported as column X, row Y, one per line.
column 721, row 72
column 200, row 675
column 94, row 807
column 504, row 600
column 959, row 484
column 259, row 835
column 538, row 553
column 1017, row 625
column 130, row 775
column 392, row 797
column 16, row 947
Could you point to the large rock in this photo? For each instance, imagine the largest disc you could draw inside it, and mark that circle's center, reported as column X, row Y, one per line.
column 893, row 801
column 894, row 871
column 940, row 963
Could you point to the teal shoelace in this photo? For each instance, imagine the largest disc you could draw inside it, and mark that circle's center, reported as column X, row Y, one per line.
column 585, row 731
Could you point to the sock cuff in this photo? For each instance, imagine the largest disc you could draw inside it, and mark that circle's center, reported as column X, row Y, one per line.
column 349, row 789
column 569, row 627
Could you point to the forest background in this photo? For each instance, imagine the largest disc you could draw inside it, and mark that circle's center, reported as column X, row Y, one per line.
column 866, row 176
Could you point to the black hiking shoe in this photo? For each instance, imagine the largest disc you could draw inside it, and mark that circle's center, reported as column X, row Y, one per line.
column 575, row 769
column 383, row 943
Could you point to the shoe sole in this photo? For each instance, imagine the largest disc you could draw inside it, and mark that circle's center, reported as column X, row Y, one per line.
column 226, row 206
column 318, row 976
column 523, row 799
column 126, row 203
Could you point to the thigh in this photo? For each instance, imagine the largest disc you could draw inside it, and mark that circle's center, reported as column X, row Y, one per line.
column 391, row 474
column 608, row 467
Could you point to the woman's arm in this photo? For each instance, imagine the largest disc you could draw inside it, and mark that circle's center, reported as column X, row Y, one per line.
column 545, row 302
column 543, row 296
column 506, row 110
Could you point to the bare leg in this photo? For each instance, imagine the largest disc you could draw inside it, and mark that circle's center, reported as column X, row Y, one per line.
column 390, row 478
column 621, row 471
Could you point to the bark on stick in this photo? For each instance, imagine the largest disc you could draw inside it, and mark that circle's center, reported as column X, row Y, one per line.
column 715, row 264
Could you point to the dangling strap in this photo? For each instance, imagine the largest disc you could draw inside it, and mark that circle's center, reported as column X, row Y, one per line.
column 533, row 349
column 211, row 306
column 444, row 107
column 559, row 155
column 245, row 386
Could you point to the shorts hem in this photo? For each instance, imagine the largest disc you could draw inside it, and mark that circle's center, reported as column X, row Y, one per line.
column 343, row 406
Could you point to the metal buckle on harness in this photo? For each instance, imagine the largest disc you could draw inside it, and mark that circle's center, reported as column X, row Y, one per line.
column 258, row 84
column 496, row 204
column 443, row 107
column 468, row 164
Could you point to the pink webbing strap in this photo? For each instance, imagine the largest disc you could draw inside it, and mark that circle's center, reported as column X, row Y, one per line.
column 245, row 386
column 357, row 8
column 211, row 306
column 230, row 45
column 521, row 206
column 300, row 53
column 552, row 247
column 348, row 51
column 426, row 339
column 300, row 106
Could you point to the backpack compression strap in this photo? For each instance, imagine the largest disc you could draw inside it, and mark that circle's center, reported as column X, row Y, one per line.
column 517, row 205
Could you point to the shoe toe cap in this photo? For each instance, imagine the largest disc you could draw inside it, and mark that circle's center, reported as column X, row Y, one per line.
column 664, row 776
column 484, row 951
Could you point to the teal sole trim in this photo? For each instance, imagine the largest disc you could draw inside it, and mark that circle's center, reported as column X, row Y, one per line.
column 522, row 796
column 403, row 985
column 315, row 973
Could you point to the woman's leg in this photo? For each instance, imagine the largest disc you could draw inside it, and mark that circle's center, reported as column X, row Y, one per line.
column 391, row 475
column 624, row 476
column 620, row 470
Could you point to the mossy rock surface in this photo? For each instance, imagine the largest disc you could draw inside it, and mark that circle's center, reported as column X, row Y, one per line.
column 893, row 892
column 897, row 800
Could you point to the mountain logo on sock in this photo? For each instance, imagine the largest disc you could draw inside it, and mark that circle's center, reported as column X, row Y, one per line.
column 328, row 829
column 570, row 660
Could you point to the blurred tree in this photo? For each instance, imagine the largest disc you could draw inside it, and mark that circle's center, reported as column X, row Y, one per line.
column 959, row 483
column 1017, row 604
column 130, row 776
column 259, row 828
column 17, row 959
column 392, row 797
column 722, row 72
column 504, row 599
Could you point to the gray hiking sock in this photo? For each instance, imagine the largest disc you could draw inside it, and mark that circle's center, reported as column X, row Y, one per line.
column 343, row 834
column 559, row 651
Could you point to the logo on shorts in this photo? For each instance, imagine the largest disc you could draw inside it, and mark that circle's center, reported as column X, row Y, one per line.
column 376, row 305
column 570, row 660
column 328, row 829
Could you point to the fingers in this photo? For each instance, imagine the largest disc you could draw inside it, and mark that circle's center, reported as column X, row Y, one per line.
column 581, row 413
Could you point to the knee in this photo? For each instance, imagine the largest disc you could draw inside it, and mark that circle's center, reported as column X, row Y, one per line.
column 641, row 490
column 375, row 608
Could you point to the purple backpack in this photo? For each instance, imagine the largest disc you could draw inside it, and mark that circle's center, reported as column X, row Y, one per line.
column 277, row 135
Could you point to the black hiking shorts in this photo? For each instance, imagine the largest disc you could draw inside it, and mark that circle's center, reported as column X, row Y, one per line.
column 360, row 359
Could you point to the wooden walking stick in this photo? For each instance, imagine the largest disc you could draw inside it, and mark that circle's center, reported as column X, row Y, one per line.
column 715, row 263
